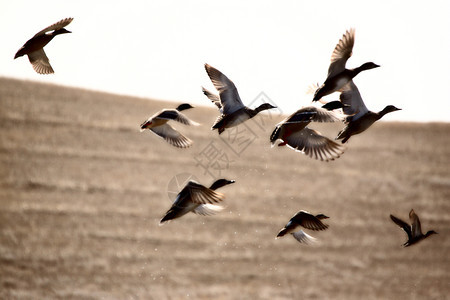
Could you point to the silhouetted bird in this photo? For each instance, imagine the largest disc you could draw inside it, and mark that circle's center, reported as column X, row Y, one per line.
column 34, row 47
column 414, row 231
column 158, row 125
column 306, row 220
column 198, row 199
column 359, row 117
column 338, row 75
column 233, row 112
column 294, row 133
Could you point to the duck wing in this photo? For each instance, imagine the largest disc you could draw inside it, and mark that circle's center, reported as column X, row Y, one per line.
column 58, row 25
column 202, row 195
column 229, row 96
column 403, row 225
column 416, row 229
column 342, row 53
column 313, row 114
column 172, row 136
column 208, row 209
column 315, row 145
column 173, row 114
column 214, row 98
column 40, row 62
column 353, row 103
column 303, row 237
column 308, row 221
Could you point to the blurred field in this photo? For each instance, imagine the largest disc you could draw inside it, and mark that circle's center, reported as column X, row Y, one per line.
column 82, row 192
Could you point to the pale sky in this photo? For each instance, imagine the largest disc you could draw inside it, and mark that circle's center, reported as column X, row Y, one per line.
column 157, row 49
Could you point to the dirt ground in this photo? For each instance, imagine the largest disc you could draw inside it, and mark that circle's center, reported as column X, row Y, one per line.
column 82, row 192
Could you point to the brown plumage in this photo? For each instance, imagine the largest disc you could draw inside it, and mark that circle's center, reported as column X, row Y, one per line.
column 306, row 220
column 294, row 133
column 233, row 111
column 34, row 47
column 413, row 231
column 198, row 199
column 359, row 117
column 338, row 74
column 159, row 126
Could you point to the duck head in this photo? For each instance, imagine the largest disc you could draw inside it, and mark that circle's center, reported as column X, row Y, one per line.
column 388, row 109
column 431, row 232
column 322, row 216
column 368, row 66
column 264, row 106
column 220, row 183
column 146, row 125
column 184, row 106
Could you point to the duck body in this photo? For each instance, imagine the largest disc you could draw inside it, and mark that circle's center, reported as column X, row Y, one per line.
column 294, row 133
column 34, row 47
column 34, row 44
column 158, row 125
column 238, row 117
column 306, row 220
column 413, row 231
column 359, row 118
column 356, row 126
column 198, row 199
column 233, row 111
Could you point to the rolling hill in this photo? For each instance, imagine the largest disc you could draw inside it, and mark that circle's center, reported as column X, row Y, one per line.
column 82, row 192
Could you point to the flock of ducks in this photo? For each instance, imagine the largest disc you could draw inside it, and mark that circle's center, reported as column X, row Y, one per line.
column 292, row 131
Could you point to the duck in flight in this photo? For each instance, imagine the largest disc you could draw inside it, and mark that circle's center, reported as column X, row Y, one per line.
column 34, row 47
column 159, row 126
column 233, row 111
column 198, row 199
column 414, row 231
column 359, row 118
column 294, row 133
column 306, row 220
column 338, row 74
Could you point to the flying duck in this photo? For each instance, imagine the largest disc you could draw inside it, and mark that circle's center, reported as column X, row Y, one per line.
column 306, row 220
column 338, row 75
column 233, row 111
column 359, row 117
column 294, row 133
column 34, row 47
column 198, row 199
column 414, row 230
column 158, row 125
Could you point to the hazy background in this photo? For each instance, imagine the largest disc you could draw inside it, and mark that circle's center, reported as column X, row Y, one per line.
column 157, row 49
column 82, row 192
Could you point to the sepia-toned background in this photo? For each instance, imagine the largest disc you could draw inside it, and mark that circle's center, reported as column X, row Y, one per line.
column 82, row 192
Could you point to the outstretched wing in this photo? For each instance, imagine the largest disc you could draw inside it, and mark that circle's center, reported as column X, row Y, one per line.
column 203, row 195
column 353, row 103
column 172, row 136
column 303, row 237
column 213, row 97
column 342, row 53
column 40, row 62
column 173, row 114
column 416, row 229
column 208, row 209
column 314, row 114
column 58, row 25
column 308, row 221
column 315, row 145
column 403, row 225
column 229, row 96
